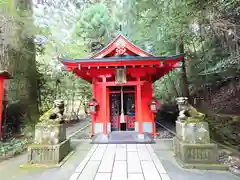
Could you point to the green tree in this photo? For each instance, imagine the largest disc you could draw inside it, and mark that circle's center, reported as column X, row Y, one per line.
column 95, row 27
column 22, row 59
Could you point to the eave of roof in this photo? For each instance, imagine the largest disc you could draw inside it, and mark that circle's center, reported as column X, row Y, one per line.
column 121, row 59
column 5, row 75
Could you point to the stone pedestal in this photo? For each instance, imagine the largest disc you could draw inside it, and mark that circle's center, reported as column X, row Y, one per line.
column 48, row 154
column 192, row 146
column 197, row 133
column 49, row 133
column 50, row 145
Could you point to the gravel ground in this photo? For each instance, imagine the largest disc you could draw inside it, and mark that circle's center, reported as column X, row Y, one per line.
column 233, row 162
column 224, row 157
column 164, row 134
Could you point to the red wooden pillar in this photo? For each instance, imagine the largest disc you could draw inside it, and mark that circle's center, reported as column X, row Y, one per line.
column 1, row 101
column 107, row 106
column 139, row 106
column 3, row 75
column 152, row 114
column 94, row 97
column 104, row 108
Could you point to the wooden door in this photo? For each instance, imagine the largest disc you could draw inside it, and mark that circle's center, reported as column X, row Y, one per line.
column 129, row 100
column 115, row 110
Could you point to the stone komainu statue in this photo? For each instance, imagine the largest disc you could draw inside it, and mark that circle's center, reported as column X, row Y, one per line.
column 50, row 130
column 187, row 112
column 50, row 144
column 55, row 113
column 191, row 145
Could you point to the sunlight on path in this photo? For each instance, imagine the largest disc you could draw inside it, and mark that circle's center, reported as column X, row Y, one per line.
column 120, row 161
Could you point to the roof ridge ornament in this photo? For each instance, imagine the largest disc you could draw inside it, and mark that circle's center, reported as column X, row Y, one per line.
column 120, row 51
column 120, row 47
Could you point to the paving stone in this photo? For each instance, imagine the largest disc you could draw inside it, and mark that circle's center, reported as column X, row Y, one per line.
column 98, row 154
column 149, row 171
column 107, row 162
column 165, row 177
column 120, row 169
column 135, row 177
column 121, row 146
column 133, row 162
column 103, row 176
column 130, row 162
column 119, row 178
column 82, row 165
column 112, row 145
column 102, row 145
column 86, row 159
column 121, row 155
column 93, row 148
column 74, row 176
column 158, row 164
column 141, row 146
column 110, row 149
column 144, row 155
column 90, row 171
column 131, row 147
column 133, row 156
column 150, row 149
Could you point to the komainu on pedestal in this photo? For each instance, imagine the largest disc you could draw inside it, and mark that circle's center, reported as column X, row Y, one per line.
column 192, row 145
column 50, row 144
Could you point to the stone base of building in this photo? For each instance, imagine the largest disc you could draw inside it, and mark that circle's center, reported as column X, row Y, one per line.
column 123, row 137
column 48, row 154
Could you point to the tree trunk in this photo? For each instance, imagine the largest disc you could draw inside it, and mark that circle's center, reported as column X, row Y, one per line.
column 183, row 76
column 22, row 62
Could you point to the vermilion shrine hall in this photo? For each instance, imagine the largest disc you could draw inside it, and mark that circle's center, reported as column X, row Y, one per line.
column 121, row 76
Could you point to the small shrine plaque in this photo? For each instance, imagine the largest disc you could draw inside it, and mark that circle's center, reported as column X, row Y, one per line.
column 121, row 77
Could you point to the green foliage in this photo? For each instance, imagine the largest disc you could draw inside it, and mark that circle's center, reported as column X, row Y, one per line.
column 224, row 129
column 208, row 48
column 158, row 25
column 54, row 84
column 236, row 118
column 15, row 146
column 95, row 24
column 6, row 7
column 167, row 88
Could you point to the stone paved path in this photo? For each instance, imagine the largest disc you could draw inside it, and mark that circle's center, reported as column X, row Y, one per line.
column 120, row 162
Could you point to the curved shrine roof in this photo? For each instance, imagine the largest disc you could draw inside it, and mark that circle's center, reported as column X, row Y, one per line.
column 122, row 53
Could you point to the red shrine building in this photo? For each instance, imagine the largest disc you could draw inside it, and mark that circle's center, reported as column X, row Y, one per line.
column 121, row 76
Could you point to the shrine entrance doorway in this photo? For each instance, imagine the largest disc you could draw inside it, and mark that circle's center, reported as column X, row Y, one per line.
column 122, row 108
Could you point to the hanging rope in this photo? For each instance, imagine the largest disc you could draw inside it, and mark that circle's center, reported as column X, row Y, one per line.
column 122, row 110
